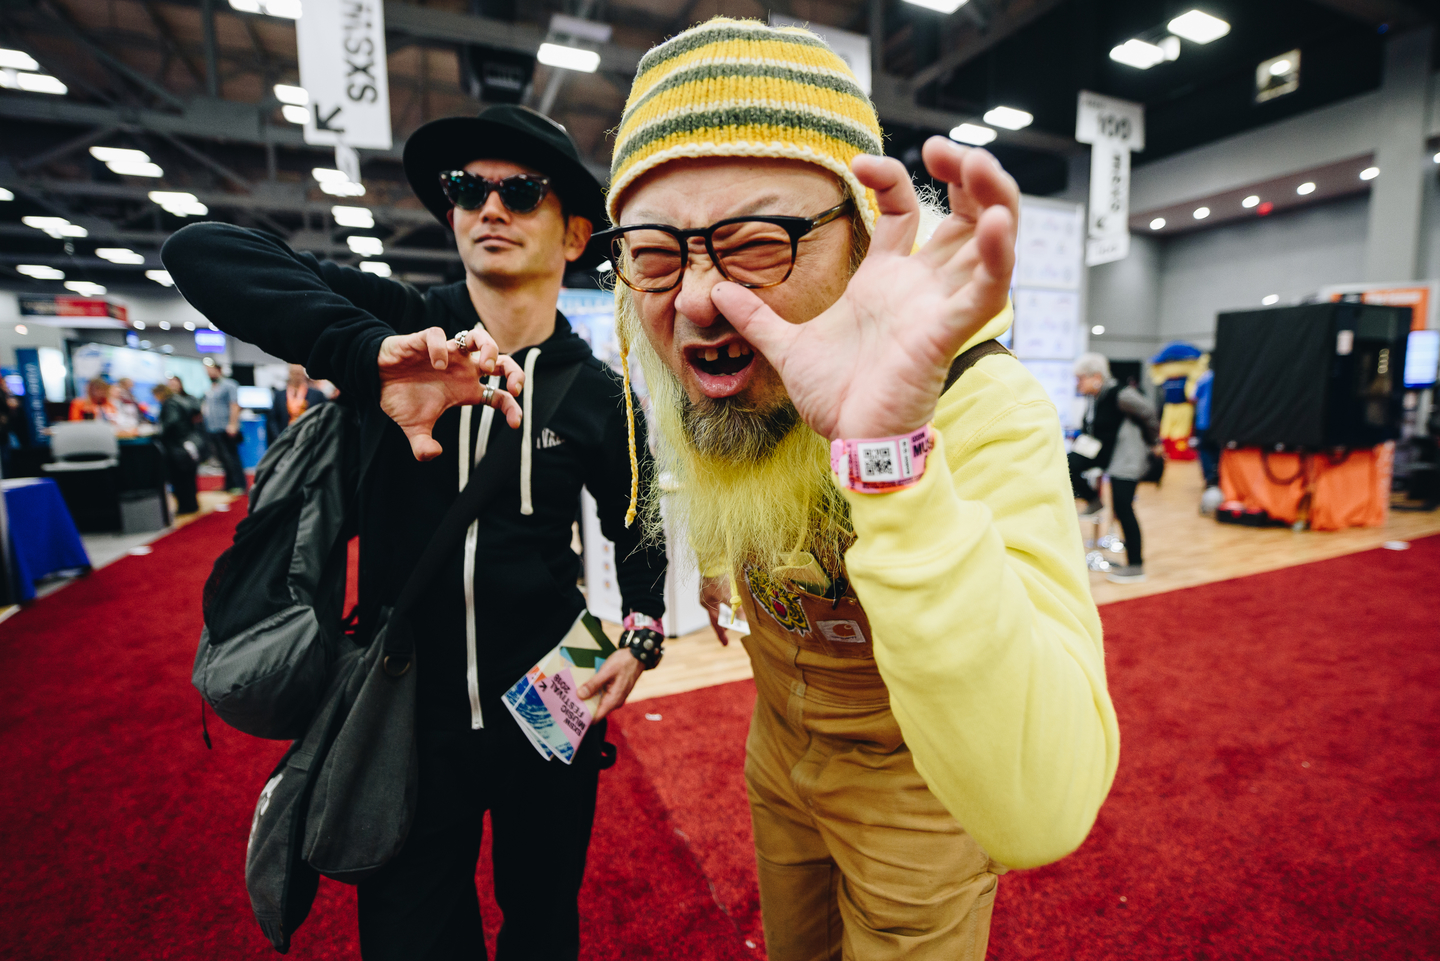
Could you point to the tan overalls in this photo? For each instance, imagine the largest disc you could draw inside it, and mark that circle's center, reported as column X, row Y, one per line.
column 857, row 859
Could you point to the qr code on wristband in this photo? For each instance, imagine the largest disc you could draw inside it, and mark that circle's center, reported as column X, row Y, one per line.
column 877, row 462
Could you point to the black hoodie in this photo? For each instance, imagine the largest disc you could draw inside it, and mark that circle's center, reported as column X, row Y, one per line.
column 332, row 319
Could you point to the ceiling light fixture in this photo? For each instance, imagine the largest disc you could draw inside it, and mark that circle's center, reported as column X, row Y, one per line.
column 189, row 325
column 288, row 93
column 1198, row 27
column 1157, row 223
column 161, row 277
column 1138, row 54
column 366, row 246
column 568, row 58
column 1250, row 201
column 123, row 154
column 21, row 329
column 119, row 255
column 179, row 203
column 17, row 60
column 1270, row 300
column 1308, row 187
column 973, row 133
column 39, row 272
column 1201, row 213
column 285, row 9
column 85, row 288
column 940, row 6
column 377, row 267
column 6, row 195
column 56, row 227
column 295, row 114
column 164, row 325
column 1098, row 329
column 32, row 82
column 1369, row 173
column 127, row 168
column 1010, row 118
column 1279, row 68
column 352, row 216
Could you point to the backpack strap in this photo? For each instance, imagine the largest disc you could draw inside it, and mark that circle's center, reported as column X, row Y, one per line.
column 969, row 358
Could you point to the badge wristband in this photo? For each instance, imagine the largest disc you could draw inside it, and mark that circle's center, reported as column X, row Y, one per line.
column 881, row 464
column 635, row 620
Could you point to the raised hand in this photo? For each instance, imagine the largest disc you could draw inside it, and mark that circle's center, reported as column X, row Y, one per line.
column 423, row 374
column 873, row 364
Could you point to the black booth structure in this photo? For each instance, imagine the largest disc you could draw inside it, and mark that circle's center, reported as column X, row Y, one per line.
column 1304, row 404
column 1314, row 377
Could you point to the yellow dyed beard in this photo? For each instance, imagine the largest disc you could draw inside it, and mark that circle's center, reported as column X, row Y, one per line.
column 759, row 512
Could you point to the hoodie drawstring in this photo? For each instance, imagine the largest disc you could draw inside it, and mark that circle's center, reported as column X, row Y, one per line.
column 526, row 507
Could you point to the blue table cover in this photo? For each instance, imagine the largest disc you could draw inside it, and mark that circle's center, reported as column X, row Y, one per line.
column 43, row 535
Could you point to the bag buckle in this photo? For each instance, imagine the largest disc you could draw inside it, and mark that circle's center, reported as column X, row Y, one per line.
column 395, row 665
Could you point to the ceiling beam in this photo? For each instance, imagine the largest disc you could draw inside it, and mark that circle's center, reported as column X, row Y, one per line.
column 266, row 197
column 1375, row 12
column 429, row 23
column 895, row 104
column 975, row 39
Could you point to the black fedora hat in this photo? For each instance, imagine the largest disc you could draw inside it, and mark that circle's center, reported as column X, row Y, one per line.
column 504, row 132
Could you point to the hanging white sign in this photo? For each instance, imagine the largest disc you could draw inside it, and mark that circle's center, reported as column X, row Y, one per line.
column 1114, row 128
column 341, row 45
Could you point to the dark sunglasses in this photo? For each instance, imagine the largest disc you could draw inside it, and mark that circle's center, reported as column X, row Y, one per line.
column 520, row 194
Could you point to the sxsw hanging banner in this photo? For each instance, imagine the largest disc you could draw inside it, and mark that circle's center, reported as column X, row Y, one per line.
column 1114, row 128
column 342, row 66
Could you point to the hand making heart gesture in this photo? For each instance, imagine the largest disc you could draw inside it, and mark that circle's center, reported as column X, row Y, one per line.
column 873, row 364
column 424, row 374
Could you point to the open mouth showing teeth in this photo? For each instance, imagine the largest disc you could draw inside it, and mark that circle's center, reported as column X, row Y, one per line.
column 718, row 361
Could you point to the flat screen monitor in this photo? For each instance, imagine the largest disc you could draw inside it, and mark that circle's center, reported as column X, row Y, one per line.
column 254, row 398
column 1422, row 358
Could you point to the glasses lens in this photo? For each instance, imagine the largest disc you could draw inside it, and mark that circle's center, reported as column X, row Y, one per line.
column 464, row 190
column 522, row 194
column 648, row 259
column 754, row 253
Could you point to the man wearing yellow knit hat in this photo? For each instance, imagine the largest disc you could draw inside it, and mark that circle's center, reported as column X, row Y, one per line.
column 882, row 486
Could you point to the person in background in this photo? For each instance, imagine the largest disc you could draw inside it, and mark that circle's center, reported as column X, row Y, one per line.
column 1208, row 449
column 95, row 405
column 13, row 428
column 222, row 422
column 1127, row 428
column 182, row 450
column 128, row 417
column 176, row 385
column 298, row 396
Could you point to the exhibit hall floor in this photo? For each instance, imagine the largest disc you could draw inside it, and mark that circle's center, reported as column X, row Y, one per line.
column 1276, row 797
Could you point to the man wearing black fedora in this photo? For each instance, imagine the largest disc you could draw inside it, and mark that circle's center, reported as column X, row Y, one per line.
column 434, row 369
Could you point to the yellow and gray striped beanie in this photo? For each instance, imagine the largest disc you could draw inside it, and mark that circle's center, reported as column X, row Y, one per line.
column 740, row 88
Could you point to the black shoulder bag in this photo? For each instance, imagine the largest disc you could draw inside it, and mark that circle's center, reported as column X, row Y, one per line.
column 341, row 801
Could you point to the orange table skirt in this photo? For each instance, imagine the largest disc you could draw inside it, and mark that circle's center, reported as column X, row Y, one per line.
column 1348, row 490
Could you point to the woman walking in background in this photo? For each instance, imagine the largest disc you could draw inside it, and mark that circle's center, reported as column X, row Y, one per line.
column 1120, row 428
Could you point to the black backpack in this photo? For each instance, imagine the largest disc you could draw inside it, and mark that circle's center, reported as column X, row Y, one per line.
column 273, row 602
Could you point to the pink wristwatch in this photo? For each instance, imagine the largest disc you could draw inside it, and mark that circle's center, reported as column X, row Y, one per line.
column 880, row 464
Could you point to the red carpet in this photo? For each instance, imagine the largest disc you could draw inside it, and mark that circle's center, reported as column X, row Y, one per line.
column 124, row 837
column 1277, row 797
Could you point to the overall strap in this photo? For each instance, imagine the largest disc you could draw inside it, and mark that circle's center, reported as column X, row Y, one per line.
column 969, row 358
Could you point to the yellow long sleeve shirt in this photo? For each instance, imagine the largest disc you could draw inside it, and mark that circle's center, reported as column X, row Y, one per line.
column 975, row 585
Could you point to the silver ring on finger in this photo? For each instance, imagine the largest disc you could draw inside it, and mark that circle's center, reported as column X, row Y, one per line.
column 462, row 338
column 487, row 395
